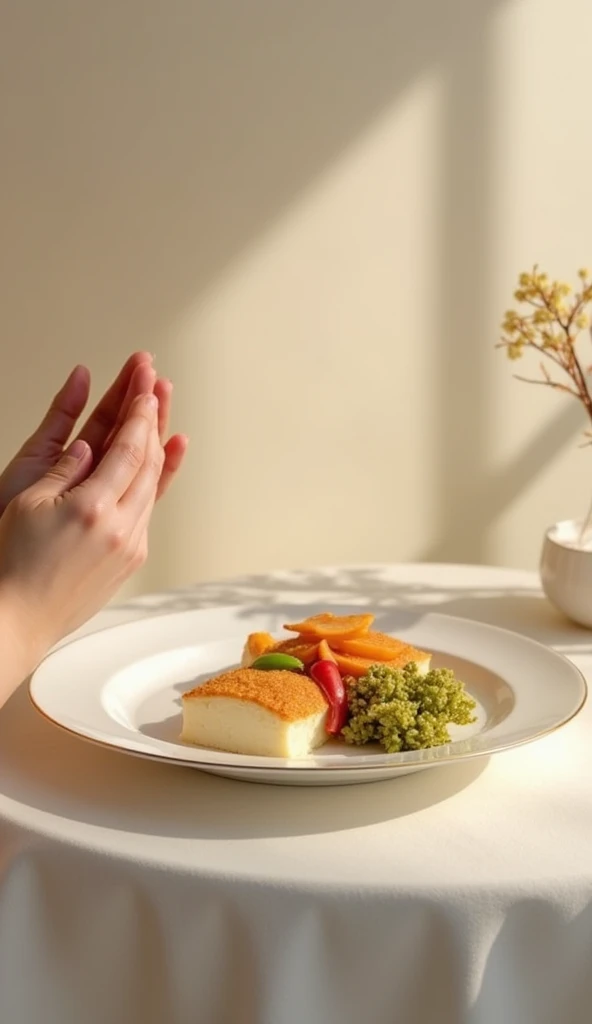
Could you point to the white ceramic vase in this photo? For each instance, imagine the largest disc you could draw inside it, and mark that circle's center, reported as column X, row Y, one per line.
column 566, row 571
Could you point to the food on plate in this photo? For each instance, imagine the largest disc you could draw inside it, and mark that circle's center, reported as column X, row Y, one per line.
column 378, row 647
column 328, row 625
column 353, row 655
column 268, row 662
column 404, row 709
column 328, row 677
column 246, row 711
column 305, row 650
column 257, row 644
column 358, row 667
column 296, row 647
column 325, row 653
column 335, row 679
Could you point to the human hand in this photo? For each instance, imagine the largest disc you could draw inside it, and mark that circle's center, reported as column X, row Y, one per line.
column 69, row 541
column 46, row 445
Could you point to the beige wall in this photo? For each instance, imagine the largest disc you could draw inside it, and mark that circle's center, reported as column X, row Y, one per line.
column 313, row 213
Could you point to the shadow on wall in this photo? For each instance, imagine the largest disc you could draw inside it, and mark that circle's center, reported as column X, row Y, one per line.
column 485, row 496
column 145, row 145
column 148, row 143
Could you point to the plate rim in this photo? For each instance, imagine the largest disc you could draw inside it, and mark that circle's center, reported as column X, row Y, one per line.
column 295, row 768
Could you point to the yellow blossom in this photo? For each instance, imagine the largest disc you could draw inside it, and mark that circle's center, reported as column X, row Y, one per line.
column 551, row 324
column 553, row 341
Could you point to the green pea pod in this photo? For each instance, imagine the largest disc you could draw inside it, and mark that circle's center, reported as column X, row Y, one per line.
column 269, row 662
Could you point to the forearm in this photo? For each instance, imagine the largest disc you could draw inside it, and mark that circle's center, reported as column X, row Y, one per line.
column 21, row 647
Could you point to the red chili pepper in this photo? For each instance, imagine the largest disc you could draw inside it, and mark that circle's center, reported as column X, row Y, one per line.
column 328, row 678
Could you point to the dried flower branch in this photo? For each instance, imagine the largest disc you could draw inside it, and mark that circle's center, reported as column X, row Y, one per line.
column 551, row 324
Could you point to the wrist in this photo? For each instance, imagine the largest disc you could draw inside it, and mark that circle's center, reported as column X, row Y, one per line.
column 22, row 641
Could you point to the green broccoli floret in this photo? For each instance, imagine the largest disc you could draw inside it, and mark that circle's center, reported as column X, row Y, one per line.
column 404, row 710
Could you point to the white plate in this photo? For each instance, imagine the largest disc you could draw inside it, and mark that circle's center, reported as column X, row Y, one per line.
column 122, row 688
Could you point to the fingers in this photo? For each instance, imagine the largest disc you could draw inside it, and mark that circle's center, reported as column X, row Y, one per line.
column 141, row 383
column 157, row 474
column 174, row 453
column 163, row 389
column 102, row 420
column 69, row 471
column 138, row 501
column 125, row 458
column 57, row 424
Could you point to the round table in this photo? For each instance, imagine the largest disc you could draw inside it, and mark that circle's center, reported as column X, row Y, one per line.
column 134, row 893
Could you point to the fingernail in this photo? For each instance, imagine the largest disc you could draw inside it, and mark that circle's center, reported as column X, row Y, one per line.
column 79, row 369
column 150, row 401
column 77, row 449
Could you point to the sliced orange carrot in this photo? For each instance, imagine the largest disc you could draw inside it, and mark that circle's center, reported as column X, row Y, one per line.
column 378, row 646
column 306, row 652
column 327, row 626
column 349, row 665
column 259, row 643
column 325, row 652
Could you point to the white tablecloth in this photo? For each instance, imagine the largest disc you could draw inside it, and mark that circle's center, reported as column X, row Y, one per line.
column 132, row 893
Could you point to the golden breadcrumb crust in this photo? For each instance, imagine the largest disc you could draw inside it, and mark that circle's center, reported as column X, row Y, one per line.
column 288, row 695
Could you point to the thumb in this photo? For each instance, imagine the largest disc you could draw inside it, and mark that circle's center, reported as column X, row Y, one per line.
column 69, row 471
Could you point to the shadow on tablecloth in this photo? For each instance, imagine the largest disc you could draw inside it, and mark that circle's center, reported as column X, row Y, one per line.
column 44, row 769
column 524, row 610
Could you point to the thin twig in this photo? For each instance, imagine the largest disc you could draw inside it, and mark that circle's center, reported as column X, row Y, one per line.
column 548, row 384
column 548, row 353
